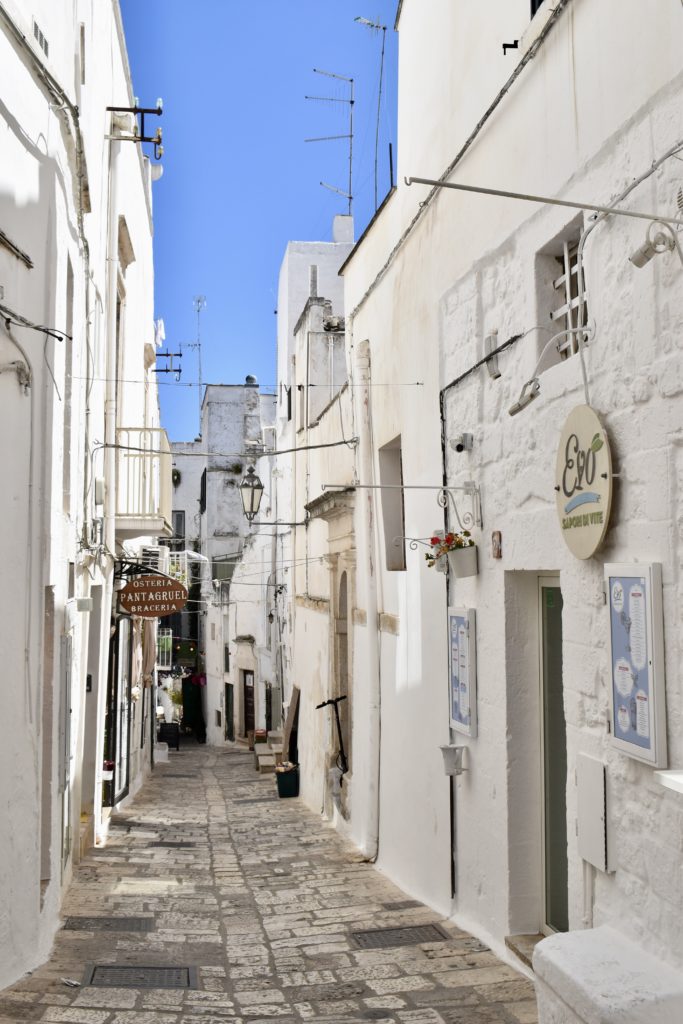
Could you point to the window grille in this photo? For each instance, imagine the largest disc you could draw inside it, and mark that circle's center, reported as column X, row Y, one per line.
column 178, row 568
column 164, row 648
column 567, row 286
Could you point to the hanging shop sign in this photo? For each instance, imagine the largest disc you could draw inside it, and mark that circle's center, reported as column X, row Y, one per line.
column 583, row 482
column 153, row 597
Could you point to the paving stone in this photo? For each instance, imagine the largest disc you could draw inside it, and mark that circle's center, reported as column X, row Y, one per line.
column 263, row 905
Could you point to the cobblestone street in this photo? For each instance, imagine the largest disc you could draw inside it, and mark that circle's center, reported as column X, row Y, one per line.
column 263, row 900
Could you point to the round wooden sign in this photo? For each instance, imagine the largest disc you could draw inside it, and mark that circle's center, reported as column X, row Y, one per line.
column 153, row 597
column 583, row 482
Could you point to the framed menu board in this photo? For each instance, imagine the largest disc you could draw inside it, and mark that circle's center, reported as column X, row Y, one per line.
column 636, row 632
column 462, row 670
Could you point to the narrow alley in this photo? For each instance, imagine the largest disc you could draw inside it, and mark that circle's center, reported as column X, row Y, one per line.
column 215, row 901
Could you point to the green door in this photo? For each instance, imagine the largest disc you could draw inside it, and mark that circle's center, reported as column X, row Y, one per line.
column 554, row 746
column 229, row 713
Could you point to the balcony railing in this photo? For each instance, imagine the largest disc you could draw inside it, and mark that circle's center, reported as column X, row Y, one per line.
column 143, row 483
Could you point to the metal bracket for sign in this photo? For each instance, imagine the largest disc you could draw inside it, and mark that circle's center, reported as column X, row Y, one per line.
column 125, row 568
column 471, row 517
column 413, row 542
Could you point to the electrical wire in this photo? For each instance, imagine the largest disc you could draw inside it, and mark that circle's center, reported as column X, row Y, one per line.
column 223, row 455
column 9, row 316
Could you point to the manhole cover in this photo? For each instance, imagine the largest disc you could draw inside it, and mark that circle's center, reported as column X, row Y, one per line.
column 258, row 800
column 114, row 976
column 175, row 844
column 110, row 924
column 402, row 905
column 381, row 938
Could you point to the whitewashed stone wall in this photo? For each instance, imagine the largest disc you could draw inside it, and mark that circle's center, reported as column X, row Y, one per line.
column 54, row 208
column 577, row 123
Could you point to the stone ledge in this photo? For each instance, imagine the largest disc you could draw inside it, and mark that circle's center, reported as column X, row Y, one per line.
column 597, row 976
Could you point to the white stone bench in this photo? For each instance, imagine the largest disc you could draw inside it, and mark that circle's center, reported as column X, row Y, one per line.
column 599, row 977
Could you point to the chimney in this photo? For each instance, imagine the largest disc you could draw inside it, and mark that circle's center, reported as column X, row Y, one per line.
column 313, row 280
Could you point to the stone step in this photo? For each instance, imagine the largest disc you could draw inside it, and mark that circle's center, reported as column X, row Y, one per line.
column 266, row 764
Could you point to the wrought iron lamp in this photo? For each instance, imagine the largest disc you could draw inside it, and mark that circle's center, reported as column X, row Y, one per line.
column 251, row 490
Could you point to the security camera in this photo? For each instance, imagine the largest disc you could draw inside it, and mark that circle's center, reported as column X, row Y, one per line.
column 462, row 442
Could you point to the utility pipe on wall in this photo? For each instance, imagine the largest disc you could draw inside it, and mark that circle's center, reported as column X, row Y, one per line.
column 366, row 519
column 110, row 449
column 112, row 368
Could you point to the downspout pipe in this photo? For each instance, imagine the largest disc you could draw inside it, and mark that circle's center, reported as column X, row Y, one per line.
column 112, row 368
column 369, row 569
column 109, row 450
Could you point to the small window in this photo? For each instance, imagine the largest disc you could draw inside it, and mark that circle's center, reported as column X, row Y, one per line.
column 223, row 568
column 302, row 406
column 202, row 494
column 226, row 658
column 391, row 478
column 535, row 4
column 178, row 523
column 288, row 392
column 82, row 52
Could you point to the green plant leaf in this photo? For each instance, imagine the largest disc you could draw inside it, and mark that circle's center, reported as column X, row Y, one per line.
column 597, row 443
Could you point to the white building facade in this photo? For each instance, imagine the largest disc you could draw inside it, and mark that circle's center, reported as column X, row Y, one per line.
column 523, row 842
column 86, row 480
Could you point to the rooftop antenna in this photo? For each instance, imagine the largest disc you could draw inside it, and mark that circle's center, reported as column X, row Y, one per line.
column 199, row 303
column 376, row 26
column 327, row 138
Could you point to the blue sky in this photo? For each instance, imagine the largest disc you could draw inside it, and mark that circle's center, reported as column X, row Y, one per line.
column 239, row 181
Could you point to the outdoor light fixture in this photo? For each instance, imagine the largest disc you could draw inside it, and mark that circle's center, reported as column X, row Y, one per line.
column 662, row 240
column 251, row 490
column 529, row 392
column 532, row 388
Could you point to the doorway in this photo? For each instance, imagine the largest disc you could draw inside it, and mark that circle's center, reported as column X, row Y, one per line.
column 553, row 757
column 249, row 704
column 229, row 710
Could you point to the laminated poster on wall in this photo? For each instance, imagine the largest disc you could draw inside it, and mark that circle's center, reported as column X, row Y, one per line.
column 638, row 705
column 462, row 670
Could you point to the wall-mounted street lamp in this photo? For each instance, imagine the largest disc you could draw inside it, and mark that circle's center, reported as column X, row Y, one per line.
column 251, row 491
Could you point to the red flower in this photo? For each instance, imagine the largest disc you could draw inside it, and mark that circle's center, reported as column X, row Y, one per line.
column 434, row 541
column 449, row 538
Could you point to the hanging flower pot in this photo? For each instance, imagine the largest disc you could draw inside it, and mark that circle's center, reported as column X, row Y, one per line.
column 460, row 550
column 463, row 561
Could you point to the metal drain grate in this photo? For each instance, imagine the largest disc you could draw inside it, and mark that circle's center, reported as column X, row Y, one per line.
column 177, row 775
column 115, row 976
column 172, row 844
column 110, row 924
column 382, row 938
column 402, row 905
column 258, row 800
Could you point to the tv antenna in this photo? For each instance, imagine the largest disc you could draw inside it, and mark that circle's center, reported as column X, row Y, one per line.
column 376, row 26
column 199, row 303
column 328, row 138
